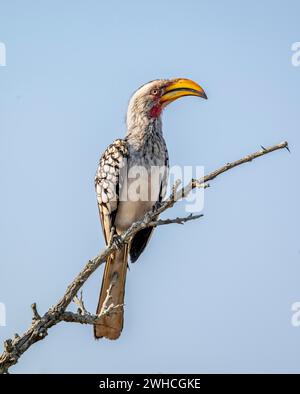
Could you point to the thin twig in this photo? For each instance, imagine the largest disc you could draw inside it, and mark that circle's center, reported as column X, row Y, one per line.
column 105, row 306
column 178, row 220
column 89, row 318
column 80, row 304
column 36, row 315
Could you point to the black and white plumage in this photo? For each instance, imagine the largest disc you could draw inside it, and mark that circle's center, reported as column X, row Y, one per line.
column 141, row 157
column 107, row 183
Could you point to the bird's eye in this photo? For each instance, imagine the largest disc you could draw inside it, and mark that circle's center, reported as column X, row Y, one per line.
column 154, row 92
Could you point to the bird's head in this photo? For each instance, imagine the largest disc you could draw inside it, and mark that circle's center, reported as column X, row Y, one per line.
column 150, row 99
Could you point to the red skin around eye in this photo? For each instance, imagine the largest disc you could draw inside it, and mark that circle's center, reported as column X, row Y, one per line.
column 155, row 111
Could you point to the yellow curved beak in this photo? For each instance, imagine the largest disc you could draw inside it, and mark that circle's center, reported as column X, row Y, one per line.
column 181, row 87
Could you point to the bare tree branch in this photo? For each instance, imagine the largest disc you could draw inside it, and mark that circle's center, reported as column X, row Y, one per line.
column 89, row 318
column 14, row 348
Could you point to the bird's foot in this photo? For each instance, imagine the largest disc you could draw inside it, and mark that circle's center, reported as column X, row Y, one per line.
column 156, row 206
column 117, row 239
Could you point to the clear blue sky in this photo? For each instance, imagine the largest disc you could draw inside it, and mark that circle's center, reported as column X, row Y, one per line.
column 211, row 296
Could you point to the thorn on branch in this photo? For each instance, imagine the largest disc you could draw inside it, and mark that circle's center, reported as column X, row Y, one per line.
column 36, row 315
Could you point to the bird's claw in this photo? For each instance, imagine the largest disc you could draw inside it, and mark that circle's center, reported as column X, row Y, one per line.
column 115, row 238
column 118, row 241
column 156, row 206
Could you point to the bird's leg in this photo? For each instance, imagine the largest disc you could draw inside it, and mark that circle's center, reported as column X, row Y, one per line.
column 114, row 237
column 111, row 235
column 117, row 239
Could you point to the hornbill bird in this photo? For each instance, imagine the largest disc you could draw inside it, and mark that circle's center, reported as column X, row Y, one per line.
column 143, row 148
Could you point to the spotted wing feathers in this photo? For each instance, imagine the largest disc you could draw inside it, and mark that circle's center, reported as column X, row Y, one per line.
column 107, row 183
